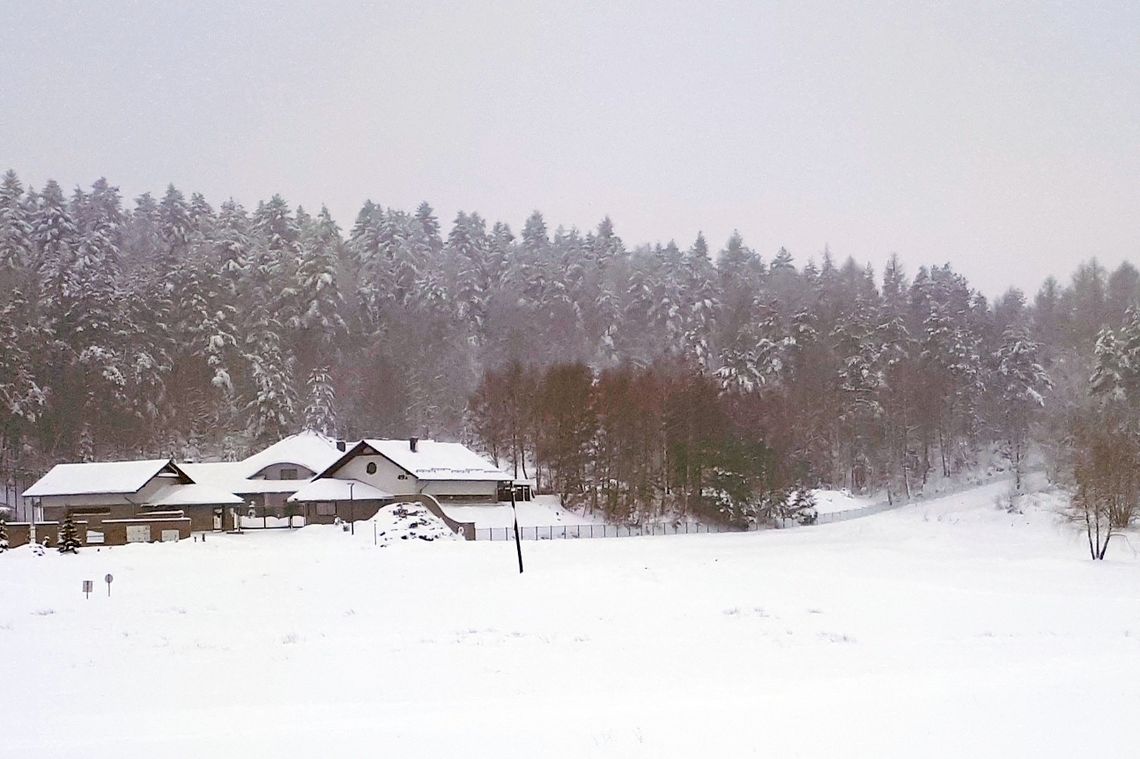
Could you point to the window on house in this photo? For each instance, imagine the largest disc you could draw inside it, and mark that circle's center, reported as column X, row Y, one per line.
column 371, row 468
column 326, row 509
column 288, row 474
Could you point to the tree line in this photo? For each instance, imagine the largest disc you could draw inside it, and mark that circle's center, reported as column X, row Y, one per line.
column 170, row 326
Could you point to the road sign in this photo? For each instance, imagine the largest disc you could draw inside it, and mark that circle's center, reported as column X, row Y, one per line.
column 87, row 586
column 109, row 579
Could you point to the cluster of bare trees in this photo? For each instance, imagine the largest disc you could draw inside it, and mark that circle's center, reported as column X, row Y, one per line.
column 633, row 442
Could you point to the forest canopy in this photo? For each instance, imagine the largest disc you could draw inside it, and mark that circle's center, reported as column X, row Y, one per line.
column 167, row 325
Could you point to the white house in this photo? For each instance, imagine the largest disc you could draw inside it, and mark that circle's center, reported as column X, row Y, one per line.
column 374, row 473
column 447, row 471
column 266, row 480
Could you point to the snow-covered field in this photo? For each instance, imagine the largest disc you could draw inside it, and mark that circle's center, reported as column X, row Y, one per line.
column 544, row 510
column 948, row 628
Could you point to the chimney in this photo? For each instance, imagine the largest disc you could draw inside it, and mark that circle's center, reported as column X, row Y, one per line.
column 412, row 443
column 340, row 446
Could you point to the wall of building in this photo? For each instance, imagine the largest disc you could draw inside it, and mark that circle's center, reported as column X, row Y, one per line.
column 115, row 533
column 472, row 489
column 364, row 510
column 346, row 510
column 121, row 510
column 387, row 477
column 274, row 471
column 18, row 533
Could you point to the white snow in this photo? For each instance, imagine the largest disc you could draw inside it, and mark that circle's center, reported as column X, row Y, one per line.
column 833, row 501
column 409, row 521
column 433, row 460
column 947, row 628
column 543, row 511
column 309, row 449
column 106, row 477
column 190, row 495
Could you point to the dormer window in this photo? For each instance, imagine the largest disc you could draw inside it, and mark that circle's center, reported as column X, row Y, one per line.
column 288, row 474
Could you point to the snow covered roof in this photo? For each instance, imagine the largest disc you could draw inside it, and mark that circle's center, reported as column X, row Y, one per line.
column 230, row 476
column 311, row 450
column 107, row 477
column 433, row 460
column 194, row 494
column 214, row 472
column 331, row 489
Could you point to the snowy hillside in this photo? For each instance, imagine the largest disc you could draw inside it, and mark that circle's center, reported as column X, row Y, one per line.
column 947, row 628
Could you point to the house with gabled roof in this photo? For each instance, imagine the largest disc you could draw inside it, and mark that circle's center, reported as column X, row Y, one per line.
column 265, row 481
column 373, row 473
column 447, row 471
column 307, row 474
column 134, row 498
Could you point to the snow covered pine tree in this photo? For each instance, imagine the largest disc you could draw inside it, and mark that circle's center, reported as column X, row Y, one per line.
column 68, row 536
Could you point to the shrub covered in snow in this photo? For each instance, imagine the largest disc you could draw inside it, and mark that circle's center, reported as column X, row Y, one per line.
column 3, row 536
column 410, row 521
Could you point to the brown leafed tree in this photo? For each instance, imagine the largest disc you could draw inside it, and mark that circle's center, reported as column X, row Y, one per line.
column 1107, row 483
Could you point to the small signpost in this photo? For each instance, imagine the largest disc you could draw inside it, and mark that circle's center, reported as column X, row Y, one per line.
column 87, row 586
column 109, row 579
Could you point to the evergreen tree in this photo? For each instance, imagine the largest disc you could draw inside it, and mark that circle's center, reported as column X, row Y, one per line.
column 55, row 237
column 15, row 233
column 468, row 249
column 702, row 297
column 68, row 536
column 3, row 535
column 320, row 318
column 320, row 412
column 1022, row 383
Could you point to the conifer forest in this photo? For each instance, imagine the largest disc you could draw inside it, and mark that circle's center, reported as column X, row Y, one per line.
column 625, row 377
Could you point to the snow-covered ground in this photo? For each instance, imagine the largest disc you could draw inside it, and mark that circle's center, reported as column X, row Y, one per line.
column 543, row 511
column 946, row 628
column 833, row 501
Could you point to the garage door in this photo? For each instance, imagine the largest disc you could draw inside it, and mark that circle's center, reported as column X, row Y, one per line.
column 138, row 533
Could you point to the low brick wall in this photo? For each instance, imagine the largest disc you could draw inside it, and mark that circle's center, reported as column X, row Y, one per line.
column 18, row 533
column 115, row 531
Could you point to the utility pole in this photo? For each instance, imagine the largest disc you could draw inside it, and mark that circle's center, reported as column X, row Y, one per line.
column 515, row 513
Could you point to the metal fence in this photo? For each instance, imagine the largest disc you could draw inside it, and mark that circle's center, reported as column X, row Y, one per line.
column 576, row 531
column 587, row 531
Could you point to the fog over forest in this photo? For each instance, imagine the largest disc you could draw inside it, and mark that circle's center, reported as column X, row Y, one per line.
column 179, row 326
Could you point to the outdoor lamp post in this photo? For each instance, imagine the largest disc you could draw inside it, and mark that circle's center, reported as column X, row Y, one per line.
column 351, row 509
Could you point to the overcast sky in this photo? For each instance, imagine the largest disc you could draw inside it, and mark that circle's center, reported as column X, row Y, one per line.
column 1002, row 137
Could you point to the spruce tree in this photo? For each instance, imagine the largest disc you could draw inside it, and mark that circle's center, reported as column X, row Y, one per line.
column 320, row 411
column 69, row 536
column 1022, row 382
column 15, row 233
column 3, row 535
column 319, row 297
